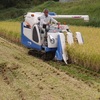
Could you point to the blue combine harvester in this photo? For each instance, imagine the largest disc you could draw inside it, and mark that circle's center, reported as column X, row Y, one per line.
column 32, row 37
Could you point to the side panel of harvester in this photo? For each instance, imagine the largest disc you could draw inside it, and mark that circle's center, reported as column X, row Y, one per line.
column 27, row 38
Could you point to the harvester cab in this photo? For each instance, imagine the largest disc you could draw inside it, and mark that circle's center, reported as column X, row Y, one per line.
column 33, row 37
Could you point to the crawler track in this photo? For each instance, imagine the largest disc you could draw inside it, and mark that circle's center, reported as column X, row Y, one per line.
column 42, row 55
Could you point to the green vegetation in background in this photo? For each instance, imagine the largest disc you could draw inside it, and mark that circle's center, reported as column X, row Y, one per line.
column 83, row 7
column 11, row 9
column 19, row 3
column 11, row 13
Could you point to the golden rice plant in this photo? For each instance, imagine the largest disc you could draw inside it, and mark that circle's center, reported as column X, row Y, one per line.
column 88, row 54
column 10, row 30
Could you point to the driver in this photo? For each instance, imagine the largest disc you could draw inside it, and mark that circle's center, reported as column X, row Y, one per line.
column 46, row 19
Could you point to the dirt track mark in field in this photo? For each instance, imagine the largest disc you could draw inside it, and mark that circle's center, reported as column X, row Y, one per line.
column 3, row 71
column 28, row 77
column 82, row 71
column 20, row 93
column 32, row 79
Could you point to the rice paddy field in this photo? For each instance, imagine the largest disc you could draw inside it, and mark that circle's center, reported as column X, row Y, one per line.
column 24, row 77
column 10, row 30
column 86, row 55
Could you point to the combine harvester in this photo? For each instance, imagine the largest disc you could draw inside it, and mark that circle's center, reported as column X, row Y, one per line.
column 55, row 47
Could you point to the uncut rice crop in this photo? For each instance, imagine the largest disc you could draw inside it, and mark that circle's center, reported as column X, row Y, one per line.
column 10, row 30
column 88, row 54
